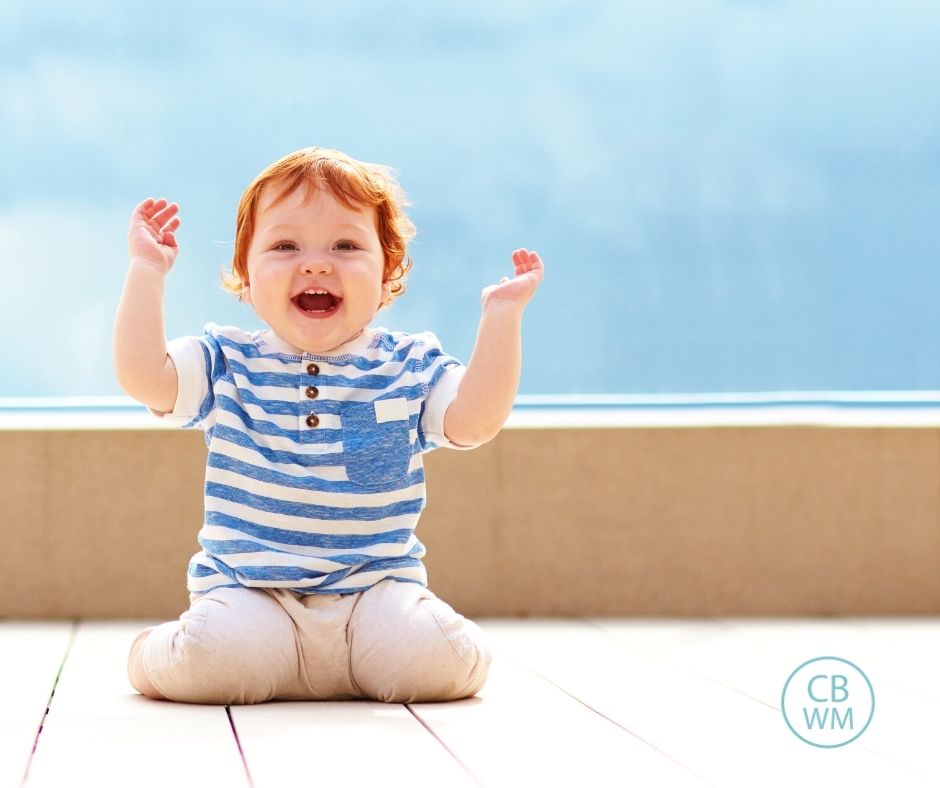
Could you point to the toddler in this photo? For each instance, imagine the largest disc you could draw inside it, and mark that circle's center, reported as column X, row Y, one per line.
column 309, row 584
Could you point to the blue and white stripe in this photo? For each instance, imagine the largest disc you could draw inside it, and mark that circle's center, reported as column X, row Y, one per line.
column 324, row 509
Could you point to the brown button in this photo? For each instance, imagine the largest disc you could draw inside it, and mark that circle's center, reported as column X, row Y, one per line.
column 313, row 369
column 313, row 420
column 313, row 392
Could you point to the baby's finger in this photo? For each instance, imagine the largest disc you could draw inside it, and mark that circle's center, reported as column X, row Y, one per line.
column 527, row 261
column 157, row 205
column 534, row 273
column 160, row 219
column 143, row 211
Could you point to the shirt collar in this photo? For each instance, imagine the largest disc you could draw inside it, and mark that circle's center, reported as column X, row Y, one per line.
column 351, row 347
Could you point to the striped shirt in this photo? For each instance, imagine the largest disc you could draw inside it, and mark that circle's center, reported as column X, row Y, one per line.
column 314, row 479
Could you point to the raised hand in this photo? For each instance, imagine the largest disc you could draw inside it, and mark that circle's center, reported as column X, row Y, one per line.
column 150, row 237
column 520, row 289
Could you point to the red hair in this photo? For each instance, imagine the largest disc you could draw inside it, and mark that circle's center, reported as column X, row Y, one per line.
column 354, row 183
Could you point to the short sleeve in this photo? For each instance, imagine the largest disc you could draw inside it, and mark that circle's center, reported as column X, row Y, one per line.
column 435, row 408
column 443, row 374
column 193, row 361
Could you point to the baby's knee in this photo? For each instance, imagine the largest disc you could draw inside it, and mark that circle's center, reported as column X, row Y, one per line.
column 217, row 653
column 136, row 673
column 444, row 664
column 442, row 656
column 473, row 658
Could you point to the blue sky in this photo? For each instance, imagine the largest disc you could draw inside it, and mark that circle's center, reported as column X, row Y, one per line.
column 728, row 195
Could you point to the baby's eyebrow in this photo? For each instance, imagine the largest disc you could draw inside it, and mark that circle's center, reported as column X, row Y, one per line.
column 277, row 228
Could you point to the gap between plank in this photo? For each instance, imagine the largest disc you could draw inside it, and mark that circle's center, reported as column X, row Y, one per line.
column 440, row 741
column 599, row 713
column 55, row 683
column 657, row 654
column 238, row 743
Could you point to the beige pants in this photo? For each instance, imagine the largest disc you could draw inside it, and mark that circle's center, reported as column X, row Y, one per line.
column 395, row 642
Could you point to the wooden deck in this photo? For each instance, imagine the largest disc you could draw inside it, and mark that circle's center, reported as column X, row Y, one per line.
column 600, row 702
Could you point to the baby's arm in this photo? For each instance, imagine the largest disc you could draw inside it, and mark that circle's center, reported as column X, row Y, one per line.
column 489, row 386
column 143, row 368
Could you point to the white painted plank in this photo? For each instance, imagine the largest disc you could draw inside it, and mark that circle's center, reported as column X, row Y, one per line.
column 30, row 656
column 916, row 641
column 99, row 731
column 342, row 743
column 704, row 692
column 729, row 738
column 521, row 730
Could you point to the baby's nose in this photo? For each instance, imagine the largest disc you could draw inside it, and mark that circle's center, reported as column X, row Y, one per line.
column 317, row 264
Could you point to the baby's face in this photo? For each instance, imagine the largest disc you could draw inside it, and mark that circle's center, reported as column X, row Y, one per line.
column 315, row 268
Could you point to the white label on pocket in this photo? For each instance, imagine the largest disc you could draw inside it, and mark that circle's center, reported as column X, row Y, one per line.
column 391, row 410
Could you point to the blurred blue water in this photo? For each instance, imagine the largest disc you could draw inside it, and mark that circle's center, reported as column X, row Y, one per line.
column 729, row 196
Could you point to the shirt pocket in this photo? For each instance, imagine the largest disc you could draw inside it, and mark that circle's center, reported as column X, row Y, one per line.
column 375, row 442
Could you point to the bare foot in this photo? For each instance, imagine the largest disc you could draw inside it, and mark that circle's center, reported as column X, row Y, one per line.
column 135, row 668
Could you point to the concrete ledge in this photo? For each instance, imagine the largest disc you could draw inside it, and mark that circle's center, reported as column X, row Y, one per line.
column 651, row 521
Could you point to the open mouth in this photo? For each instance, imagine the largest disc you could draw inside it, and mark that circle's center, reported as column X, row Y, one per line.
column 317, row 303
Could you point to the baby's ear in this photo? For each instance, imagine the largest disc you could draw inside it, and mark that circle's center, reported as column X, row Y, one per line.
column 386, row 294
column 245, row 295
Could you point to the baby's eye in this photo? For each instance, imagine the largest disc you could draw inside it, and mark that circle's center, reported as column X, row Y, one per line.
column 284, row 246
column 345, row 246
